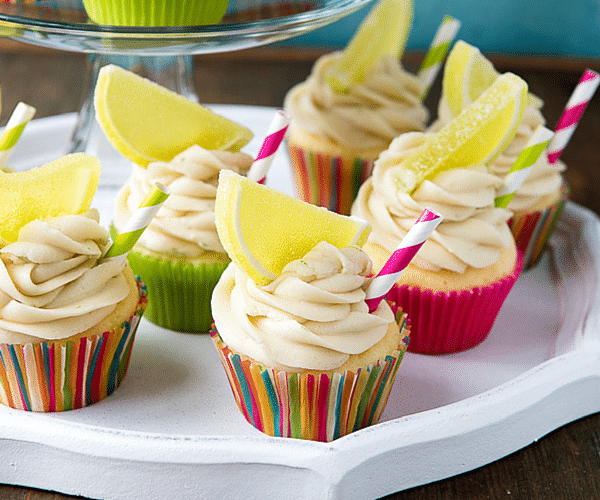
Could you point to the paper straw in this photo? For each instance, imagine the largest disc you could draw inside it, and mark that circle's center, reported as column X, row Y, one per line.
column 381, row 284
column 523, row 164
column 276, row 133
column 19, row 119
column 572, row 114
column 139, row 221
column 437, row 52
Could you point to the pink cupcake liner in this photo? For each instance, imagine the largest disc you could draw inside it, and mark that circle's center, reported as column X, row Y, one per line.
column 533, row 230
column 445, row 322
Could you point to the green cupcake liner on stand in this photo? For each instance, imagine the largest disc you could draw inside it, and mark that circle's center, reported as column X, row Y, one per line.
column 179, row 292
column 155, row 12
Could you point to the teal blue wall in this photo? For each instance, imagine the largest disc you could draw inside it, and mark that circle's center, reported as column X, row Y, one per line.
column 564, row 27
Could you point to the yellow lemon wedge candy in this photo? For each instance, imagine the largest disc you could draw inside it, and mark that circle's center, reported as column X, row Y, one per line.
column 467, row 74
column 383, row 32
column 63, row 187
column 472, row 138
column 262, row 230
column 146, row 122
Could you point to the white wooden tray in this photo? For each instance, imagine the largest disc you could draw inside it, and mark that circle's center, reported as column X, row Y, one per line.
column 172, row 429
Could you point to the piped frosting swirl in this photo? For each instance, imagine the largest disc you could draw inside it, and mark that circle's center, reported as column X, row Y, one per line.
column 52, row 283
column 185, row 224
column 365, row 118
column 312, row 317
column 473, row 233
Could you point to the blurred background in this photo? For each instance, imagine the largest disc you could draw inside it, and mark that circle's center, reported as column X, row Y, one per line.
column 541, row 27
column 547, row 42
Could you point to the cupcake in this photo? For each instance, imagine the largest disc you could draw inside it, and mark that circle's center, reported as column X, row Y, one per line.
column 539, row 201
column 453, row 289
column 463, row 273
column 179, row 255
column 155, row 12
column 68, row 317
column 337, row 133
column 303, row 355
column 183, row 146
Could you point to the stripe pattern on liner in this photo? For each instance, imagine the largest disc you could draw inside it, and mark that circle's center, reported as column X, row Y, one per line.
column 67, row 374
column 317, row 406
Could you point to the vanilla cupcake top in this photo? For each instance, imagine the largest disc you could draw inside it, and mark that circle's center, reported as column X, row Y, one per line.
column 312, row 317
column 53, row 284
column 473, row 233
column 544, row 179
column 185, row 224
column 365, row 118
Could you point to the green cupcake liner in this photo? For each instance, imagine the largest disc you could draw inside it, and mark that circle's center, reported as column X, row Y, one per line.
column 155, row 12
column 179, row 292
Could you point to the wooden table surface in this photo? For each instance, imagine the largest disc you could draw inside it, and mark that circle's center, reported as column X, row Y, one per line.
column 563, row 465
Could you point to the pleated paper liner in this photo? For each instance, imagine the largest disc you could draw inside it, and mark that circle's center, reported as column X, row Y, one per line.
column 445, row 322
column 68, row 374
column 155, row 12
column 328, row 181
column 533, row 230
column 179, row 292
column 319, row 407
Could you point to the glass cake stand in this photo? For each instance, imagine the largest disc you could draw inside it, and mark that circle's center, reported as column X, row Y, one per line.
column 163, row 54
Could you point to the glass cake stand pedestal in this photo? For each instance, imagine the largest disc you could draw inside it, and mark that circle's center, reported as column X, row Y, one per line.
column 163, row 54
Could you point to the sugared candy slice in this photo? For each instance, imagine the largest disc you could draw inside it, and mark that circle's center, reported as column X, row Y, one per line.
column 467, row 74
column 146, row 122
column 262, row 230
column 383, row 32
column 474, row 137
column 63, row 187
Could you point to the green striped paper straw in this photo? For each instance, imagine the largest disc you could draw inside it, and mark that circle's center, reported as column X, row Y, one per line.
column 437, row 52
column 19, row 119
column 523, row 164
column 139, row 221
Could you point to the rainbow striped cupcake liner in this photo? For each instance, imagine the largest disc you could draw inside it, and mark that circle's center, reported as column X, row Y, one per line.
column 328, row 181
column 68, row 374
column 533, row 230
column 317, row 406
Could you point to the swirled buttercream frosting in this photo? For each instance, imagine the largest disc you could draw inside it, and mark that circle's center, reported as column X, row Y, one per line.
column 185, row 224
column 367, row 117
column 473, row 233
column 312, row 317
column 544, row 180
column 53, row 284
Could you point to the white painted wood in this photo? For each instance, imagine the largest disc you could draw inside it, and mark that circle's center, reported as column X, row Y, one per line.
column 172, row 429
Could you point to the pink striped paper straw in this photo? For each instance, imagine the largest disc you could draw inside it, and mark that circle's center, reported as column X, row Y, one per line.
column 277, row 130
column 381, row 284
column 572, row 114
